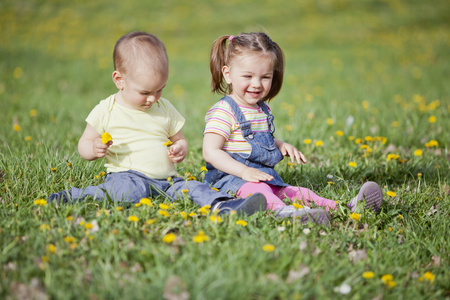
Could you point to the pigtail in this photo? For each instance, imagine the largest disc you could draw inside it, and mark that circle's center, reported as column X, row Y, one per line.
column 216, row 62
column 278, row 73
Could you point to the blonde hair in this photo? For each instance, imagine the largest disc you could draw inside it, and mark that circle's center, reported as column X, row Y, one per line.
column 139, row 48
column 222, row 53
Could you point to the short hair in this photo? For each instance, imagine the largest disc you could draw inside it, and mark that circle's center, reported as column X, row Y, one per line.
column 222, row 54
column 140, row 48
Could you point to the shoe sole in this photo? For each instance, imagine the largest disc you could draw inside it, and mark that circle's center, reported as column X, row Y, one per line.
column 317, row 216
column 371, row 192
column 256, row 202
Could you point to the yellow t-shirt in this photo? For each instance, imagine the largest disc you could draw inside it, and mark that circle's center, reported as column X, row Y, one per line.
column 138, row 137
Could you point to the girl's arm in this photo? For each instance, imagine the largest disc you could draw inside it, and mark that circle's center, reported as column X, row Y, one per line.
column 289, row 150
column 90, row 145
column 179, row 149
column 213, row 154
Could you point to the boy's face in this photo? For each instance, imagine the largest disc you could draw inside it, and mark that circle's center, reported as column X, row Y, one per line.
column 140, row 88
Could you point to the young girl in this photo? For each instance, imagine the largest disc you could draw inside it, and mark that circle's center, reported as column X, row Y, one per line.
column 239, row 144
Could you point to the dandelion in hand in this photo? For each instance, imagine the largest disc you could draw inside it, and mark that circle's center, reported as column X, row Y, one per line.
column 168, row 143
column 106, row 137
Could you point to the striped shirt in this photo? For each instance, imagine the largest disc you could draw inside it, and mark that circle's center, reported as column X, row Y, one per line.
column 221, row 120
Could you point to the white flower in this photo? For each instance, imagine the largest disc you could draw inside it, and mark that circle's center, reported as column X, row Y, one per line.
column 306, row 231
column 344, row 289
column 281, row 228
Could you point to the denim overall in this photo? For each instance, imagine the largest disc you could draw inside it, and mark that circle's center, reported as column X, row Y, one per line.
column 263, row 156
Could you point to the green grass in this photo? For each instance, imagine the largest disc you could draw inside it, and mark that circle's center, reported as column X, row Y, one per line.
column 382, row 64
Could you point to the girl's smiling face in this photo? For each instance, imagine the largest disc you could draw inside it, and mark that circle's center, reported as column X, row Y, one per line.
column 250, row 75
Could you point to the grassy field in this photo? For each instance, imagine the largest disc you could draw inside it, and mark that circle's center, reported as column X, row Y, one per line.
column 364, row 98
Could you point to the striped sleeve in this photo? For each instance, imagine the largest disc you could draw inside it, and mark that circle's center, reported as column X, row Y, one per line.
column 220, row 120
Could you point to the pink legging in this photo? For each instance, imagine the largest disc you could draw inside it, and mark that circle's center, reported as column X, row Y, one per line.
column 274, row 193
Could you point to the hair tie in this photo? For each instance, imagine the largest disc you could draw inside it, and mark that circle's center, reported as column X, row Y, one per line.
column 231, row 38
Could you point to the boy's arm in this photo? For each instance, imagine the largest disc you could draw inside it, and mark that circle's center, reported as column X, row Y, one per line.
column 213, row 154
column 90, row 145
column 289, row 150
column 179, row 149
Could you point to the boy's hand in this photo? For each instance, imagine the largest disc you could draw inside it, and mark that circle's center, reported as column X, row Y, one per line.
column 176, row 153
column 255, row 175
column 289, row 150
column 99, row 148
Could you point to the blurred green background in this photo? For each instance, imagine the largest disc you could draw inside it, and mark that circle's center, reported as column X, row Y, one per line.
column 384, row 63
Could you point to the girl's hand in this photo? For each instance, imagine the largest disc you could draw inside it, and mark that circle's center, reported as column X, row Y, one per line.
column 99, row 148
column 255, row 175
column 176, row 153
column 289, row 150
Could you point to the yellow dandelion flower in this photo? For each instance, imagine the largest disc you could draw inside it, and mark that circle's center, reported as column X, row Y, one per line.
column 365, row 105
column 69, row 218
column 168, row 143
column 51, row 248
column 241, row 222
column 204, row 169
column 169, row 238
column 419, row 175
column 391, row 194
column 432, row 119
column 115, row 231
column 133, row 218
column 119, row 208
column 184, row 215
column 16, row 127
column 163, row 213
column 288, row 127
column 40, row 202
column 215, row 219
column 151, row 221
column 390, row 229
column 28, row 138
column 185, row 191
column 358, row 141
column 387, row 277
column 17, row 73
column 88, row 226
column 319, row 143
column 352, row 164
column 164, row 206
column 268, row 247
column 214, row 189
column 418, row 152
column 146, row 201
column 368, row 138
column 339, row 133
column 432, row 143
column 33, row 113
column 297, row 205
column 204, row 210
column 351, row 138
column 200, row 237
column 429, row 276
column 106, row 137
column 169, row 179
column 368, row 275
column 390, row 283
column 69, row 239
column 44, row 227
column 355, row 217
column 330, row 121
column 392, row 156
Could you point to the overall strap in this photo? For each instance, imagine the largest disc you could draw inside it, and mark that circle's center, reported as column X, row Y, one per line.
column 270, row 117
column 246, row 126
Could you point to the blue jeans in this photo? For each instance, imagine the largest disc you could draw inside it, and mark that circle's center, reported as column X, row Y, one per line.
column 132, row 186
